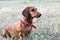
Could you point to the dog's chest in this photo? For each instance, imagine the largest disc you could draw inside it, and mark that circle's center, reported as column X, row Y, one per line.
column 26, row 29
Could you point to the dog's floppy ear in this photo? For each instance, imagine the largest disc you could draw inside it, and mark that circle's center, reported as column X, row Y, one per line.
column 26, row 13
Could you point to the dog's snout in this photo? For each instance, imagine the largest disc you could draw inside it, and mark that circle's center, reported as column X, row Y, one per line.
column 39, row 15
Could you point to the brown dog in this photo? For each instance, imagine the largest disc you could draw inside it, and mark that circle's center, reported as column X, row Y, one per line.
column 24, row 26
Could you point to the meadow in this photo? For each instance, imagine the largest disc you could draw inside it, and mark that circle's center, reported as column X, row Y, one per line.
column 48, row 25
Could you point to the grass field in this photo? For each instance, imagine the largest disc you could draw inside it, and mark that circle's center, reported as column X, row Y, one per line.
column 48, row 25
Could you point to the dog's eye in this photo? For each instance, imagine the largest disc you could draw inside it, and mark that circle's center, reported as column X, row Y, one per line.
column 33, row 10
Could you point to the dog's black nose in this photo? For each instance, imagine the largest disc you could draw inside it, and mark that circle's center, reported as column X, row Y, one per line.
column 39, row 15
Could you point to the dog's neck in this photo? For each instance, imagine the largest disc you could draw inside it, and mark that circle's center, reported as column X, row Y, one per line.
column 28, row 20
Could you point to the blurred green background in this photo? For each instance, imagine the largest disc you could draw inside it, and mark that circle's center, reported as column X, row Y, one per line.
column 48, row 25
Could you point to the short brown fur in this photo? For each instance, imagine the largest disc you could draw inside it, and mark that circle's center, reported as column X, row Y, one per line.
column 20, row 29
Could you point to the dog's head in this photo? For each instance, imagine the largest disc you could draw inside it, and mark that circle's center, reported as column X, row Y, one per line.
column 31, row 12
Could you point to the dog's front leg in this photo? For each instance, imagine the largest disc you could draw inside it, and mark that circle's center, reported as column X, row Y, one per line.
column 21, row 38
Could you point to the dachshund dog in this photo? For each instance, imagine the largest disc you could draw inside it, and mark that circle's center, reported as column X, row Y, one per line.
column 24, row 26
